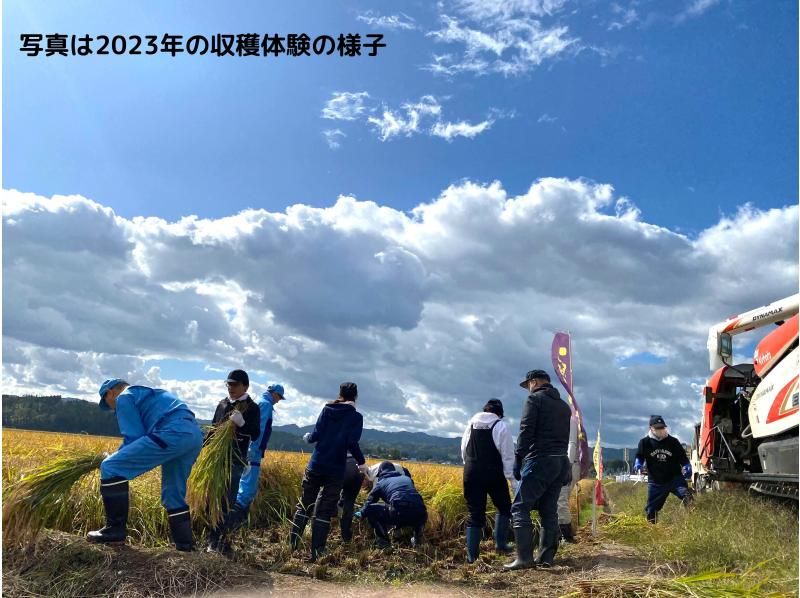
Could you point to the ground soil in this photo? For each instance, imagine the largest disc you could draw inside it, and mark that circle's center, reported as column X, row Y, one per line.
column 65, row 565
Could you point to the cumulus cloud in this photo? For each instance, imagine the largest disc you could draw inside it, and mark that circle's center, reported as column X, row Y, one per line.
column 332, row 137
column 431, row 311
column 450, row 130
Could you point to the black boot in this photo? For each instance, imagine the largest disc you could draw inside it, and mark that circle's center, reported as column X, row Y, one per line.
column 115, row 500
column 417, row 538
column 180, row 528
column 346, row 524
column 566, row 533
column 298, row 527
column 523, row 539
column 501, row 525
column 651, row 516
column 381, row 535
column 319, row 537
column 548, row 546
column 474, row 535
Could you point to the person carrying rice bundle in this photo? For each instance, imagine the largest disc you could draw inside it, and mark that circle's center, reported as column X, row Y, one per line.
column 240, row 409
column 157, row 429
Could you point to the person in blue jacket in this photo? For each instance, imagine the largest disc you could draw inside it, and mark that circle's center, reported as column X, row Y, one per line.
column 157, row 429
column 337, row 431
column 403, row 506
column 248, row 485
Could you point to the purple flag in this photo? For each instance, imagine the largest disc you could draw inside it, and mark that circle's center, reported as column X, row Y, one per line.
column 561, row 354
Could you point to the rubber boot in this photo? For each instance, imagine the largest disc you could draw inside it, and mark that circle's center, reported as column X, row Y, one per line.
column 346, row 522
column 651, row 516
column 417, row 537
column 474, row 536
column 319, row 538
column 180, row 528
column 501, row 525
column 298, row 527
column 548, row 546
column 566, row 533
column 115, row 500
column 381, row 535
column 523, row 539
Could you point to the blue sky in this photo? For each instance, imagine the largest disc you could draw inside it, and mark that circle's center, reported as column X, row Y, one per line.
column 645, row 158
column 688, row 117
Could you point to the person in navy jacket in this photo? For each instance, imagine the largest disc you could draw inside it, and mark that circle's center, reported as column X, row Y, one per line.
column 157, row 429
column 403, row 506
column 337, row 431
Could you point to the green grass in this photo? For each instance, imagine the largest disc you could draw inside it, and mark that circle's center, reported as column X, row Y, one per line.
column 723, row 532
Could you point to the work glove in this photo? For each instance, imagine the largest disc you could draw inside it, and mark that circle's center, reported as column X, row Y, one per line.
column 307, row 437
column 357, row 515
column 363, row 468
column 686, row 470
column 517, row 470
column 637, row 466
column 237, row 418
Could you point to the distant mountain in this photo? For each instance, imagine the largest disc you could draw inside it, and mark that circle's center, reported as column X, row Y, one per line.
column 369, row 435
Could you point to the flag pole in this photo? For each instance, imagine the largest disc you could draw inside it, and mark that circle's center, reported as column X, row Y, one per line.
column 597, row 473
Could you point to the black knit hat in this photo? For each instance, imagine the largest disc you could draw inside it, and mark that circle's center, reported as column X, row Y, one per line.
column 494, row 406
column 348, row 390
column 656, row 421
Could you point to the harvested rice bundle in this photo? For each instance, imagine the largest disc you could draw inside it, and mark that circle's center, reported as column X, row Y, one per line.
column 39, row 495
column 211, row 476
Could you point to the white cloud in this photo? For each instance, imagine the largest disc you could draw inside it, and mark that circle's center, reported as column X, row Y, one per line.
column 624, row 16
column 449, row 130
column 332, row 137
column 423, row 116
column 398, row 21
column 546, row 118
column 431, row 311
column 345, row 105
column 696, row 8
column 506, row 37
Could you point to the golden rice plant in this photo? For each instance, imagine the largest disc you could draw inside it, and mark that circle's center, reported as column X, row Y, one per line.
column 41, row 495
column 211, row 475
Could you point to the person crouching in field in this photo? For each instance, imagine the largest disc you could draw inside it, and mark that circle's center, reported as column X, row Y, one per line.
column 157, row 429
column 403, row 506
column 337, row 431
column 668, row 467
column 248, row 485
column 243, row 412
column 488, row 454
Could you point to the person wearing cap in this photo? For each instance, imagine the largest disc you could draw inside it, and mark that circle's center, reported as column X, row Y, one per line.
column 403, row 506
column 337, row 431
column 668, row 467
column 542, row 466
column 488, row 454
column 564, row 514
column 248, row 485
column 239, row 408
column 157, row 429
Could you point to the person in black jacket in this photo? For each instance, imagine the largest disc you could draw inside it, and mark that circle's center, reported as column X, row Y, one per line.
column 542, row 466
column 244, row 413
column 337, row 431
column 668, row 467
column 403, row 506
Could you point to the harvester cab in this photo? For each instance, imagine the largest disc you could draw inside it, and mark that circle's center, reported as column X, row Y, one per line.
column 749, row 430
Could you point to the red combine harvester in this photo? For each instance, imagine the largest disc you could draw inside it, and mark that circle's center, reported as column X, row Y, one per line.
column 749, row 431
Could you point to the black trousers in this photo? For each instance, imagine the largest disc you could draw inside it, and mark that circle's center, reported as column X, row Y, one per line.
column 350, row 489
column 231, row 516
column 479, row 485
column 320, row 495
